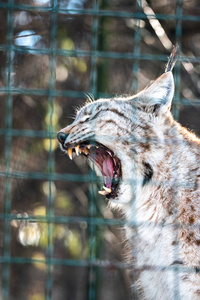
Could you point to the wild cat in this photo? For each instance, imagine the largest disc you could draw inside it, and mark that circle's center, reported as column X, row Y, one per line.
column 150, row 167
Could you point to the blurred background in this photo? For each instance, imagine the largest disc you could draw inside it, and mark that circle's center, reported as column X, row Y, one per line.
column 58, row 238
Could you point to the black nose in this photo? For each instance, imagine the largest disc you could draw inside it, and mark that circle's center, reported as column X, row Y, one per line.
column 61, row 136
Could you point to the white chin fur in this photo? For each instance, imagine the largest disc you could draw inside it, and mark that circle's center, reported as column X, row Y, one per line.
column 124, row 197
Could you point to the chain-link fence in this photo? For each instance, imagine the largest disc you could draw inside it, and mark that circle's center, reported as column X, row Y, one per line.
column 58, row 238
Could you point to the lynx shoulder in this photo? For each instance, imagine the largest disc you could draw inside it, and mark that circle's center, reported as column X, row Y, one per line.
column 150, row 167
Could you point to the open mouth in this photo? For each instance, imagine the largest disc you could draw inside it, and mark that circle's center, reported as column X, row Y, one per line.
column 106, row 161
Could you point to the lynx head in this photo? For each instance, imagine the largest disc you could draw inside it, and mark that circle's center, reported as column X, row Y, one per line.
column 124, row 137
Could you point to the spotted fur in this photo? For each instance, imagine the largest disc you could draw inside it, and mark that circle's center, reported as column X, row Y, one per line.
column 159, row 191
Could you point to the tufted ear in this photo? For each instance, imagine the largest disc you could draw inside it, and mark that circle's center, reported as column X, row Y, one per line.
column 157, row 97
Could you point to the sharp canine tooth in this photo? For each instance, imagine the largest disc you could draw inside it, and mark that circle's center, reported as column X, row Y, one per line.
column 69, row 150
column 88, row 146
column 102, row 193
column 77, row 150
column 85, row 151
column 108, row 190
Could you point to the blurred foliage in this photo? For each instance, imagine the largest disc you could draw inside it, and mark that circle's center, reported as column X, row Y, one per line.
column 64, row 202
column 40, row 265
column 67, row 44
column 36, row 297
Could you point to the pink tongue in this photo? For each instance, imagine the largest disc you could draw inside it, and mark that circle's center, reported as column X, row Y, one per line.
column 108, row 171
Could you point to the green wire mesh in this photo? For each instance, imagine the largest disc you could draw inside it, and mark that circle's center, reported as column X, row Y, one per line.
column 71, row 240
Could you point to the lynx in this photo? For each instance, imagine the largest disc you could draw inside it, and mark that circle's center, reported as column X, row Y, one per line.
column 150, row 167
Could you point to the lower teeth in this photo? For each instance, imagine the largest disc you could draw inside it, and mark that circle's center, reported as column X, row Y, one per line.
column 106, row 191
column 103, row 193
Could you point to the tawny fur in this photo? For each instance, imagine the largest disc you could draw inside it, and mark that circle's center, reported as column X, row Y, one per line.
column 140, row 130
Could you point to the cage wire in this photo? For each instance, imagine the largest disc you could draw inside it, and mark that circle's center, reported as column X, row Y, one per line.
column 55, row 244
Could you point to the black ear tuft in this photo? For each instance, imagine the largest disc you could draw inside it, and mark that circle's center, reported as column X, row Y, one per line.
column 172, row 59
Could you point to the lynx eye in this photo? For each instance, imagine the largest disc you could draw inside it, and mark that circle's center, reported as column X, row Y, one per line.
column 85, row 118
